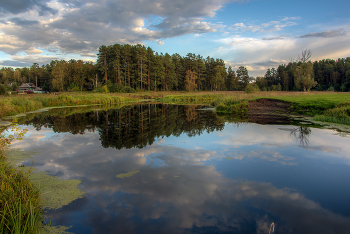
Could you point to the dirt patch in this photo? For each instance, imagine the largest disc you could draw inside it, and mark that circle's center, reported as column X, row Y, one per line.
column 268, row 111
column 268, row 106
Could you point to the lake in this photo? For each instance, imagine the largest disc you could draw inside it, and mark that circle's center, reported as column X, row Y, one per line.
column 159, row 168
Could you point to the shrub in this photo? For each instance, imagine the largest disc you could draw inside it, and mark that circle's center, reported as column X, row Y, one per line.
column 250, row 88
column 127, row 89
column 114, row 88
column 74, row 87
column 3, row 90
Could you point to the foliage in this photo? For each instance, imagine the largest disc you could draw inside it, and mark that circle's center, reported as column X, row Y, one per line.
column 3, row 90
column 127, row 90
column 304, row 76
column 190, row 81
column 250, row 88
column 20, row 210
column 73, row 87
column 114, row 88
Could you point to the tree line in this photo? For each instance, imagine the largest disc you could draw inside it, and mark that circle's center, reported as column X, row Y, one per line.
column 134, row 67
column 322, row 75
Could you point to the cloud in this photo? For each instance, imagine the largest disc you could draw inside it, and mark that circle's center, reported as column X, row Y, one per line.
column 272, row 38
column 159, row 42
column 80, row 27
column 271, row 26
column 290, row 18
column 254, row 52
column 327, row 34
column 23, row 22
column 19, row 6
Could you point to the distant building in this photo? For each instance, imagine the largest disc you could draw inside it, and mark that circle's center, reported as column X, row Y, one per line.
column 29, row 87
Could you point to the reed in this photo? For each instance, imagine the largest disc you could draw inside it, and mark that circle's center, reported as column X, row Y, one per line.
column 20, row 210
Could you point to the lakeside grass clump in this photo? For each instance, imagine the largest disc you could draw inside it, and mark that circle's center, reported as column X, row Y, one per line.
column 340, row 114
column 24, row 103
column 20, row 203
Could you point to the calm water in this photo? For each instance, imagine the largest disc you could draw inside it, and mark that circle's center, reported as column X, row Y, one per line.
column 197, row 173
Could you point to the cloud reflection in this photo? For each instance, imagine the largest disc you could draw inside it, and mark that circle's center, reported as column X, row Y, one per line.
column 184, row 195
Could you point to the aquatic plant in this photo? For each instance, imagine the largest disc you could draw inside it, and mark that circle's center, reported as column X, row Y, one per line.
column 126, row 175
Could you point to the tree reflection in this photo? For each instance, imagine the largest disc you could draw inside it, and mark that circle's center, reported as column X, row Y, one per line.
column 302, row 133
column 133, row 126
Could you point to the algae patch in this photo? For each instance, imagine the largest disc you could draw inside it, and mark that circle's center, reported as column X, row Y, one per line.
column 228, row 158
column 125, row 175
column 56, row 193
column 55, row 230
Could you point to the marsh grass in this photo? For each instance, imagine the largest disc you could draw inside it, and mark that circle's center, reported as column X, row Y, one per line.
column 20, row 204
column 25, row 103
column 340, row 114
column 20, row 210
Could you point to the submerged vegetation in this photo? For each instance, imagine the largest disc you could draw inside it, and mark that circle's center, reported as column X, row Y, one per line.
column 126, row 175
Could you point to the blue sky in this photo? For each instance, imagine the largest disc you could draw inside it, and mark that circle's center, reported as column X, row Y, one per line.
column 257, row 34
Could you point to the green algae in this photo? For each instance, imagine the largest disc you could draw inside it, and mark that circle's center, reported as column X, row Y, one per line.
column 55, row 230
column 228, row 158
column 125, row 175
column 56, row 193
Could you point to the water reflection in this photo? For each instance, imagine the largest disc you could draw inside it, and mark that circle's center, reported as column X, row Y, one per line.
column 186, row 184
column 301, row 133
column 132, row 126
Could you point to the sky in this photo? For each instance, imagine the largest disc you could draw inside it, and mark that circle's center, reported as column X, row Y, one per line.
column 257, row 34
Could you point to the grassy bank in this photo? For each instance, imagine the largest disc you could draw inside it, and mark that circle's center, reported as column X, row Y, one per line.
column 20, row 209
column 324, row 106
column 20, row 204
column 12, row 105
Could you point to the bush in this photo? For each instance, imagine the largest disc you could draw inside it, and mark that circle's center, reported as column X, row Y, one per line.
column 251, row 88
column 3, row 90
column 74, row 87
column 114, row 88
column 127, row 89
column 14, row 87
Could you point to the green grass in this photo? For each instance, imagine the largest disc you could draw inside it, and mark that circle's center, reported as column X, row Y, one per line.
column 24, row 103
column 340, row 114
column 325, row 106
column 20, row 210
column 190, row 98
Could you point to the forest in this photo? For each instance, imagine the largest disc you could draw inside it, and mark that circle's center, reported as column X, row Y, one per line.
column 130, row 68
